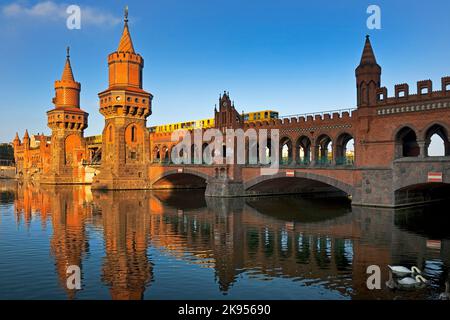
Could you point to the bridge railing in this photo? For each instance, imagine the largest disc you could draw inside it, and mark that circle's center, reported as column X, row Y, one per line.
column 324, row 162
column 321, row 113
column 345, row 161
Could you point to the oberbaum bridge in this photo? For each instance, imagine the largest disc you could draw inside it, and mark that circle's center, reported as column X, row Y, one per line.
column 390, row 166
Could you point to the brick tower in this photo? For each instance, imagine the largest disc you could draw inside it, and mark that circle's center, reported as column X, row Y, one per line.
column 125, row 106
column 227, row 117
column 67, row 122
column 368, row 77
column 227, row 180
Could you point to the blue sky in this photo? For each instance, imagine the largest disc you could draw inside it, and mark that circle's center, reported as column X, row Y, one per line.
column 290, row 56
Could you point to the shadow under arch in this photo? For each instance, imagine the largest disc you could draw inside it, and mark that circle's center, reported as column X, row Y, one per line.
column 295, row 209
column 188, row 179
column 303, row 183
column 181, row 199
column 422, row 193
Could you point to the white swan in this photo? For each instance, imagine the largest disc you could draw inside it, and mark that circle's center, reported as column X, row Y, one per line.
column 403, row 271
column 391, row 282
column 408, row 283
column 445, row 295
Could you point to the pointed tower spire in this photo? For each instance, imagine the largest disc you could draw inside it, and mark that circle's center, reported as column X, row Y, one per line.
column 126, row 44
column 67, row 72
column 16, row 140
column 368, row 77
column 26, row 135
column 67, row 90
column 368, row 57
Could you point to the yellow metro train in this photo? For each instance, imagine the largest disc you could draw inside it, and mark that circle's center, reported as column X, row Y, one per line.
column 209, row 123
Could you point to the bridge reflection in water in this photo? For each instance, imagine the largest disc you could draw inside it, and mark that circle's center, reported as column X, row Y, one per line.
column 144, row 244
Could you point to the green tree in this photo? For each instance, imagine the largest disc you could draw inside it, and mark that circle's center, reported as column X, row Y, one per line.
column 6, row 152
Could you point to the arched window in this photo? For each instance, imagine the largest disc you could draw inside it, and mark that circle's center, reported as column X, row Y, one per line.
column 406, row 143
column 156, row 155
column 166, row 155
column 266, row 152
column 252, row 151
column 345, row 150
column 285, row 151
column 206, row 156
column 110, row 134
column 324, row 150
column 437, row 144
column 195, row 155
column 363, row 94
column 304, row 150
column 133, row 133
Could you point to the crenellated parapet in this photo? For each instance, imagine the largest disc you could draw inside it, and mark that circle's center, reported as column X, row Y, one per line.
column 309, row 123
column 424, row 92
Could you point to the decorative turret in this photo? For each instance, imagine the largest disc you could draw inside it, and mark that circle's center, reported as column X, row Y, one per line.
column 368, row 77
column 26, row 139
column 67, row 90
column 16, row 141
column 67, row 113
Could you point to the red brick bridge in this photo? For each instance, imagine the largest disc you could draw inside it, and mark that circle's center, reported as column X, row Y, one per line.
column 391, row 164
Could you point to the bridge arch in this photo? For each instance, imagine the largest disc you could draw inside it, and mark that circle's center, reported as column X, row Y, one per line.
column 173, row 179
column 301, row 178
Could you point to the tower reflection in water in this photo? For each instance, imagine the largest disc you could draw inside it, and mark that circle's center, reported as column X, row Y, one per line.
column 312, row 243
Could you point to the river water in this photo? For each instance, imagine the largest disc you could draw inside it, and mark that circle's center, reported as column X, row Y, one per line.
column 181, row 245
